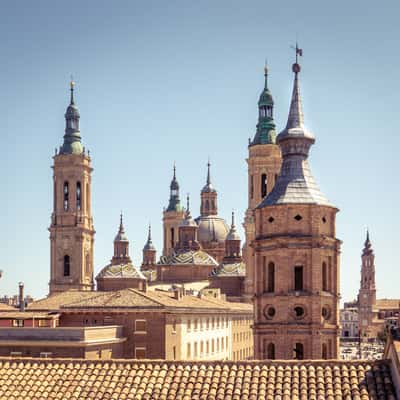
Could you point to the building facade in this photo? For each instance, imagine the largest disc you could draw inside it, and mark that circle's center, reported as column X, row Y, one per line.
column 71, row 229
column 296, row 269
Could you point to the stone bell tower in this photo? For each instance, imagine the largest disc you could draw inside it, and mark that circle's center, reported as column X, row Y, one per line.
column 264, row 163
column 296, row 305
column 173, row 215
column 71, row 229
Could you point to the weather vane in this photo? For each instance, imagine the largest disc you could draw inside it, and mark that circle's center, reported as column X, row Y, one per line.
column 299, row 52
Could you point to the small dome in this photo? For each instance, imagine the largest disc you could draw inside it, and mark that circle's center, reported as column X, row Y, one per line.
column 121, row 237
column 196, row 257
column 266, row 98
column 208, row 188
column 120, row 271
column 212, row 229
column 72, row 112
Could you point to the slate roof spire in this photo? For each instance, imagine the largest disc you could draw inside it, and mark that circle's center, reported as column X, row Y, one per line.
column 265, row 133
column 174, row 201
column 72, row 137
column 295, row 183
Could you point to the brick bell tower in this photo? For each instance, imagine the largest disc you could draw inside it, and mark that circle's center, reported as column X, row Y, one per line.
column 367, row 293
column 296, row 270
column 173, row 215
column 71, row 229
column 264, row 163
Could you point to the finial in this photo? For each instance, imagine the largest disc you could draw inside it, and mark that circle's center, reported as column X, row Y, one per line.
column 233, row 219
column 208, row 171
column 72, row 85
column 266, row 74
column 149, row 237
column 174, row 170
column 299, row 52
column 367, row 235
column 121, row 226
column 187, row 203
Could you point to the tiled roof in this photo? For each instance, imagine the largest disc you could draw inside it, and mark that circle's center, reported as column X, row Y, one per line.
column 127, row 270
column 26, row 315
column 387, row 303
column 30, row 379
column 4, row 307
column 197, row 257
column 231, row 269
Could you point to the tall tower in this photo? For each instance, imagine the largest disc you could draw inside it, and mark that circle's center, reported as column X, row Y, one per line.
column 174, row 214
column 208, row 205
column 296, row 305
column 121, row 246
column 71, row 229
column 264, row 163
column 149, row 253
column 367, row 293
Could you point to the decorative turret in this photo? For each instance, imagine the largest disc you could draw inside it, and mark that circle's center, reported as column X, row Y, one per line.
column 174, row 201
column 295, row 183
column 149, row 252
column 72, row 138
column 232, row 243
column 121, row 246
column 265, row 133
column 188, row 232
column 208, row 197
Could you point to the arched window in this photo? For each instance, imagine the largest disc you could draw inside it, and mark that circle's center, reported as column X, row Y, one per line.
column 271, row 351
column 78, row 196
column 263, row 185
column 67, row 265
column 207, row 206
column 172, row 237
column 269, row 111
column 298, row 277
column 324, row 277
column 66, row 196
column 87, row 202
column 251, row 186
column 324, row 351
column 298, row 351
column 270, row 278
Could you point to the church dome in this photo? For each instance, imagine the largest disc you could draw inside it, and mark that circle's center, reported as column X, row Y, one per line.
column 196, row 257
column 212, row 229
column 127, row 270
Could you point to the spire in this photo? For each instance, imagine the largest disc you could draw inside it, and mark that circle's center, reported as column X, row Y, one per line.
column 174, row 201
column 295, row 183
column 233, row 234
column 72, row 137
column 208, row 187
column 367, row 246
column 265, row 133
column 121, row 236
column 149, row 244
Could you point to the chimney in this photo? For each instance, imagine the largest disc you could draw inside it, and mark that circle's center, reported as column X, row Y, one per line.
column 177, row 293
column 21, row 297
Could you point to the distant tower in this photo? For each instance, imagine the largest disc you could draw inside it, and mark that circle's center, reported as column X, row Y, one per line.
column 188, row 232
column 121, row 246
column 296, row 274
column 367, row 293
column 264, row 163
column 209, row 196
column 149, row 253
column 232, row 244
column 212, row 228
column 71, row 229
column 173, row 216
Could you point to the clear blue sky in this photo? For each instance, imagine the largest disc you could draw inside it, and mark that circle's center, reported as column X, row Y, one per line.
column 179, row 80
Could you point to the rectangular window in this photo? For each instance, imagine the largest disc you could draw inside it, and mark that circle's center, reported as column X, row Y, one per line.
column 18, row 323
column 195, row 350
column 189, row 325
column 140, row 326
column 298, row 278
column 196, row 324
column 174, row 352
column 188, row 352
column 140, row 352
column 43, row 323
column 251, row 186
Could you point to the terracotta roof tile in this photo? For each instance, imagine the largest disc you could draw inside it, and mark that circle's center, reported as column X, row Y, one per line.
column 132, row 379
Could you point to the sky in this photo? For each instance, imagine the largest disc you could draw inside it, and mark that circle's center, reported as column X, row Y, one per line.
column 158, row 82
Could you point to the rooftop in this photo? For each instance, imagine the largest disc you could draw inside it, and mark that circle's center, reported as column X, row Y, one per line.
column 144, row 379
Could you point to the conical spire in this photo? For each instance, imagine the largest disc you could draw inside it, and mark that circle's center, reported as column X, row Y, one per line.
column 149, row 244
column 174, row 201
column 295, row 183
column 72, row 138
column 233, row 234
column 265, row 133
column 121, row 236
column 208, row 186
column 367, row 245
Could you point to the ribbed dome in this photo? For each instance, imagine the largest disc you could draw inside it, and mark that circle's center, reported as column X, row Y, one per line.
column 212, row 229
column 196, row 257
column 120, row 271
